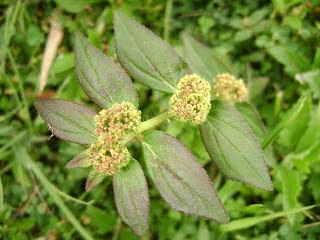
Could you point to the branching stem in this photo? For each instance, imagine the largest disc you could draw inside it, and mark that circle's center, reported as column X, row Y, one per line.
column 147, row 125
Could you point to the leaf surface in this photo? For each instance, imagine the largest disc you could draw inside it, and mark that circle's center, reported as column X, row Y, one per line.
column 146, row 57
column 104, row 81
column 253, row 119
column 233, row 147
column 67, row 120
column 79, row 161
column 179, row 177
column 132, row 198
column 202, row 60
column 93, row 180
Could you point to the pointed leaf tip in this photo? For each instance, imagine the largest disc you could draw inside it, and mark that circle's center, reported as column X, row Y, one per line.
column 103, row 80
column 93, row 180
column 233, row 147
column 67, row 120
column 79, row 161
column 146, row 57
column 132, row 198
column 180, row 178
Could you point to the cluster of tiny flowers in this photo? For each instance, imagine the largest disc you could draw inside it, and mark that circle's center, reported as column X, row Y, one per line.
column 107, row 155
column 228, row 88
column 191, row 100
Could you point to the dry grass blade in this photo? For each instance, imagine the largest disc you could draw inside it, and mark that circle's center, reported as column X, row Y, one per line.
column 54, row 39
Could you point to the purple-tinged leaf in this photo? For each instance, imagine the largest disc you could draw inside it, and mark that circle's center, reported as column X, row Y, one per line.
column 202, row 60
column 146, row 57
column 79, row 161
column 233, row 147
column 104, row 81
column 67, row 120
column 179, row 177
column 132, row 198
column 94, row 179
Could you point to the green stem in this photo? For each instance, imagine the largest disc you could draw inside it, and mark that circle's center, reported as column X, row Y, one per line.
column 30, row 164
column 117, row 229
column 166, row 33
column 146, row 125
column 68, row 197
column 153, row 122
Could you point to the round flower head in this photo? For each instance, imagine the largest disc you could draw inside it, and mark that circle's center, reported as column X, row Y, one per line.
column 108, row 160
column 107, row 155
column 191, row 100
column 228, row 88
column 114, row 123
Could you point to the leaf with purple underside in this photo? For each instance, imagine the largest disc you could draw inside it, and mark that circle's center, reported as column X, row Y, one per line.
column 233, row 147
column 94, row 179
column 180, row 178
column 146, row 57
column 79, row 161
column 103, row 80
column 67, row 120
column 132, row 198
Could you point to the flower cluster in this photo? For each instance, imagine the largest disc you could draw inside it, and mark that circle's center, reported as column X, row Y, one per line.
column 191, row 100
column 107, row 155
column 228, row 88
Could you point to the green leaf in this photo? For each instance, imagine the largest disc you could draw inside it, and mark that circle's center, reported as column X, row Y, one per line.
column 316, row 60
column 252, row 221
column 93, row 180
column 67, row 120
column 291, row 182
column 312, row 78
column 256, row 86
column 286, row 120
column 243, row 35
column 104, row 81
column 293, row 62
column 103, row 221
column 233, row 147
column 146, row 57
column 180, row 179
column 295, row 129
column 75, row 6
column 253, row 119
column 202, row 60
column 132, row 198
column 63, row 63
column 312, row 134
column 79, row 161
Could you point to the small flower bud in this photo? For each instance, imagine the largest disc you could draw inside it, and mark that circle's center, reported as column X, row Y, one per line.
column 191, row 100
column 228, row 88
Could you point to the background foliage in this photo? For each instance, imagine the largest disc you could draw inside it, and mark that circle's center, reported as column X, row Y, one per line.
column 274, row 46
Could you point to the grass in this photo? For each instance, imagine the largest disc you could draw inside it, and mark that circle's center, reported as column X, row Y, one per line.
column 40, row 198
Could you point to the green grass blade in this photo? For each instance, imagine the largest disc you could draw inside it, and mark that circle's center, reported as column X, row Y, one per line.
column 1, row 194
column 251, row 221
column 290, row 116
column 23, row 156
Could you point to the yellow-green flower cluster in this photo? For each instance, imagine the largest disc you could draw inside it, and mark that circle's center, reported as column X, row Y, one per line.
column 191, row 100
column 228, row 88
column 107, row 155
